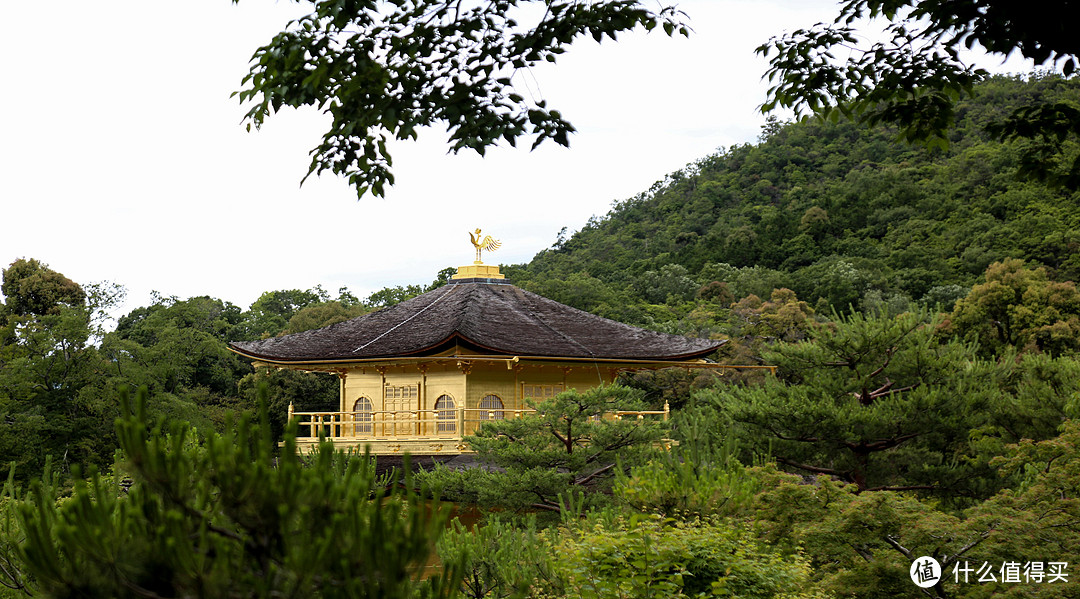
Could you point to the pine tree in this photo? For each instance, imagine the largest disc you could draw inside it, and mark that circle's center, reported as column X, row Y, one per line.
column 230, row 517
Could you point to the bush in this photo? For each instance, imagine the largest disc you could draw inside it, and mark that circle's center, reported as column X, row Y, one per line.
column 650, row 556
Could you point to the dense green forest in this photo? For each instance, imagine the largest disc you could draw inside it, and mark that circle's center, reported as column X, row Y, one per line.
column 846, row 217
column 919, row 304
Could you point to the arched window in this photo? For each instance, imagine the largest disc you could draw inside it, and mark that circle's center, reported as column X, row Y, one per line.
column 362, row 416
column 445, row 415
column 491, row 408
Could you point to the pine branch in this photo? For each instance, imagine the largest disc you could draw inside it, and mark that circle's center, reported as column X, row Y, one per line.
column 845, row 475
column 904, row 488
column 587, row 479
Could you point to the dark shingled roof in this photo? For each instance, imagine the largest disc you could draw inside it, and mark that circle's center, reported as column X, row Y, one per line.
column 490, row 316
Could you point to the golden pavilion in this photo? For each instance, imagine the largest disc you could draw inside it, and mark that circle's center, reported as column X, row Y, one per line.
column 420, row 375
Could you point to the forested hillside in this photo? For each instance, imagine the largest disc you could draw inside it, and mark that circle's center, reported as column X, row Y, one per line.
column 918, row 307
column 753, row 244
column 845, row 216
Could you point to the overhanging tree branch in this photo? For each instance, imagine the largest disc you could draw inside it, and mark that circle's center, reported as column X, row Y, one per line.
column 383, row 70
column 913, row 79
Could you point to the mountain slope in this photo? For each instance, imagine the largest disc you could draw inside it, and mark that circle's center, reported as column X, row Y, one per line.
column 841, row 214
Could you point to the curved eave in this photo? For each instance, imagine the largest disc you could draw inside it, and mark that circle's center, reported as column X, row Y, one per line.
column 686, row 360
column 457, row 337
column 421, row 352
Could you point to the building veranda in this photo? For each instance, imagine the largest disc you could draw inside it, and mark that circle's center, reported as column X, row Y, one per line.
column 419, row 376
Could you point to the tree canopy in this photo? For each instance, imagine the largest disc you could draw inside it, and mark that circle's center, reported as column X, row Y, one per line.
column 913, row 77
column 568, row 446
column 32, row 288
column 383, row 70
column 229, row 517
column 845, row 216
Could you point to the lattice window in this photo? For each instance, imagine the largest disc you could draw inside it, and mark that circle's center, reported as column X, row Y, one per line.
column 540, row 392
column 402, row 391
column 401, row 401
column 362, row 415
column 491, row 408
column 445, row 415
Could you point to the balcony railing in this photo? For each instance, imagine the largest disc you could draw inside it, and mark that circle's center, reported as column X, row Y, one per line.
column 443, row 424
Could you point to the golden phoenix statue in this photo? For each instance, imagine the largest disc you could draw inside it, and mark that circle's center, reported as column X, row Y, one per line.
column 488, row 243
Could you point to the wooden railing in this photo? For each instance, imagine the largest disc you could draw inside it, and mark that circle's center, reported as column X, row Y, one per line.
column 449, row 424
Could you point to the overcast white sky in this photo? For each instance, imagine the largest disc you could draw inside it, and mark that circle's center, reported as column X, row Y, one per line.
column 122, row 156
